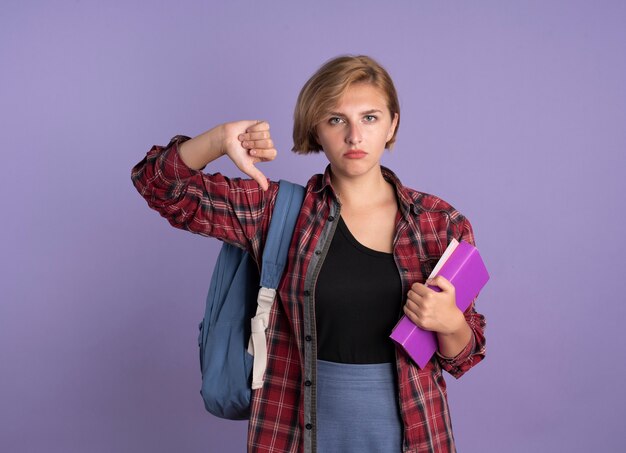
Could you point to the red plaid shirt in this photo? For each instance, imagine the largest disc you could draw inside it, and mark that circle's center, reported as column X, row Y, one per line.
column 238, row 211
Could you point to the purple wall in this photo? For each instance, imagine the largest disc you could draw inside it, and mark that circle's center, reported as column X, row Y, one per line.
column 514, row 112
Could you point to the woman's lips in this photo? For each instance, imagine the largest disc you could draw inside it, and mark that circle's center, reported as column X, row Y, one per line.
column 355, row 154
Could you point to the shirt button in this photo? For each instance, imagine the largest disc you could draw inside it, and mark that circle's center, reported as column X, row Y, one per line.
column 318, row 252
column 404, row 271
column 308, row 383
column 307, row 293
column 308, row 338
column 331, row 218
column 308, row 426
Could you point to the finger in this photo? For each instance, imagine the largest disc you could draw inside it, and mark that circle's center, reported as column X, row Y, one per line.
column 249, row 144
column 420, row 289
column 415, row 307
column 412, row 316
column 254, row 136
column 259, row 126
column 441, row 282
column 258, row 176
column 264, row 154
column 413, row 296
column 411, row 304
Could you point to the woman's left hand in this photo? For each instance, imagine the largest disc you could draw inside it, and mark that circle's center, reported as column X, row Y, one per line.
column 432, row 310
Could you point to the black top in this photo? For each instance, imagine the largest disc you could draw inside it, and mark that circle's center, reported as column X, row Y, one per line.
column 358, row 301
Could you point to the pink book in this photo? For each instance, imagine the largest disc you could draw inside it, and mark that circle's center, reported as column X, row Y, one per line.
column 462, row 265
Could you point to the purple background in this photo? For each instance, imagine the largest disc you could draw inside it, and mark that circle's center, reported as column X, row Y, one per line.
column 514, row 112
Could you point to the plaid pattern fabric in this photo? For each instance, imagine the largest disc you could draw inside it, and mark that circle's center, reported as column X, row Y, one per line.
column 238, row 211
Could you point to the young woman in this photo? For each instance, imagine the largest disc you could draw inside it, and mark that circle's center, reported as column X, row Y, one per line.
column 362, row 248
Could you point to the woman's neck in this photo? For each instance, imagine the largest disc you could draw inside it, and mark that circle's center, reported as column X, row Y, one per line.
column 366, row 190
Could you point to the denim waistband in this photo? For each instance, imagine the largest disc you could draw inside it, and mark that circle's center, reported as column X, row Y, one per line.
column 349, row 372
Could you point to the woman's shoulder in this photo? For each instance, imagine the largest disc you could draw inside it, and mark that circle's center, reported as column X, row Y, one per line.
column 431, row 207
column 432, row 213
column 428, row 202
column 421, row 202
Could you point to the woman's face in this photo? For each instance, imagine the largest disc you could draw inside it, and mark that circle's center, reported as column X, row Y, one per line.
column 353, row 135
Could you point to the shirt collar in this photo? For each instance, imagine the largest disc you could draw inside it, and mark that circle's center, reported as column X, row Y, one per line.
column 406, row 203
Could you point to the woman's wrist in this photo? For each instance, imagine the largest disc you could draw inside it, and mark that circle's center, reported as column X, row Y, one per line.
column 451, row 343
column 203, row 149
column 456, row 325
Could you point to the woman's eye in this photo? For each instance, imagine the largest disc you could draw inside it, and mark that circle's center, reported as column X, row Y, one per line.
column 335, row 120
column 370, row 118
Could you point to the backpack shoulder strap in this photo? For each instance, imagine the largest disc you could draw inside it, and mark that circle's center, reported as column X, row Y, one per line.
column 286, row 210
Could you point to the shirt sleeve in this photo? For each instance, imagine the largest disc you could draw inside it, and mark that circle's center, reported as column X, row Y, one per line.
column 233, row 210
column 474, row 351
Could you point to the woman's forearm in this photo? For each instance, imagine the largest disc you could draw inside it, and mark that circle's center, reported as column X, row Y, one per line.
column 451, row 344
column 206, row 147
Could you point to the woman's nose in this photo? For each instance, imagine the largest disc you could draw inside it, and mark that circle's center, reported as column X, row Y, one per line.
column 354, row 136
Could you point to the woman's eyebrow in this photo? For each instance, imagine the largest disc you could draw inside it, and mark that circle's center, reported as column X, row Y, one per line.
column 366, row 112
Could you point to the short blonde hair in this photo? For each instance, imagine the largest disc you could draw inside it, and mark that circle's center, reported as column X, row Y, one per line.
column 324, row 89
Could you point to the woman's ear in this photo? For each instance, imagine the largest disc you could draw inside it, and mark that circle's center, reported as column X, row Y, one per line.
column 394, row 124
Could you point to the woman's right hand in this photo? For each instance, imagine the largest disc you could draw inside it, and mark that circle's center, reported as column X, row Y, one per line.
column 247, row 143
